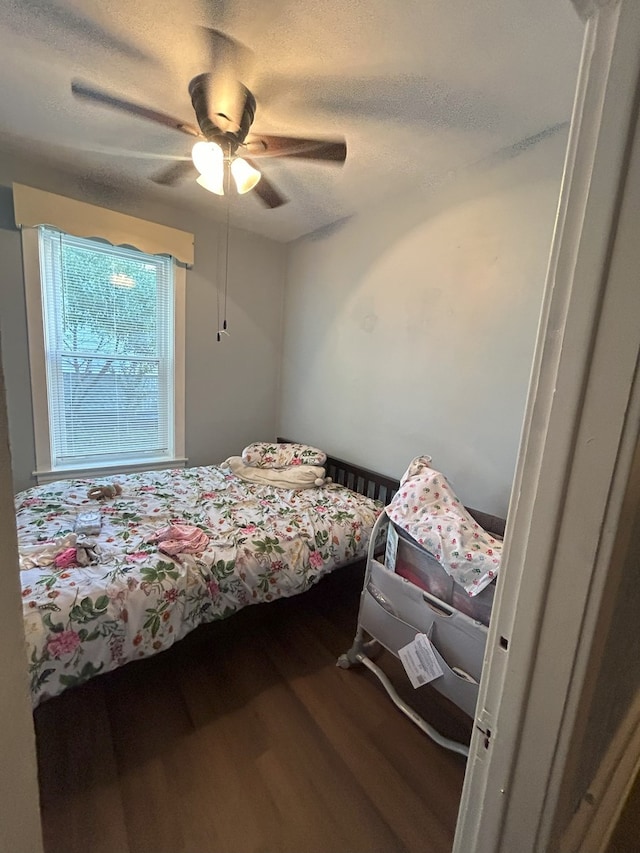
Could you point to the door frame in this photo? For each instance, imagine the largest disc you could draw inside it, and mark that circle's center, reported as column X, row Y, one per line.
column 573, row 480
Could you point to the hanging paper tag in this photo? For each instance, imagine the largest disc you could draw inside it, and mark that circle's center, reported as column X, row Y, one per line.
column 391, row 548
column 419, row 661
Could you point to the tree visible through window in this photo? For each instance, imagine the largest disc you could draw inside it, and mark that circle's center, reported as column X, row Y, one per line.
column 109, row 332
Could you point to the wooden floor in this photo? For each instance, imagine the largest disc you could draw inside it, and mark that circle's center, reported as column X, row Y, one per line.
column 246, row 737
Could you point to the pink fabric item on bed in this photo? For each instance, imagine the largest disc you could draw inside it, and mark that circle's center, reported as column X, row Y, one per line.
column 180, row 539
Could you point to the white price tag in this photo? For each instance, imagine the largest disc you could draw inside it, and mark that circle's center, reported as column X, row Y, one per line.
column 419, row 661
column 391, row 548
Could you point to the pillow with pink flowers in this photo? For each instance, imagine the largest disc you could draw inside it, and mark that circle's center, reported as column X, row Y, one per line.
column 261, row 454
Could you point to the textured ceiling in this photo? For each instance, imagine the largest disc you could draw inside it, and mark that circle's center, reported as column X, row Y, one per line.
column 419, row 88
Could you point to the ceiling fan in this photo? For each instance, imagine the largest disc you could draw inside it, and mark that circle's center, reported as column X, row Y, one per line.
column 225, row 110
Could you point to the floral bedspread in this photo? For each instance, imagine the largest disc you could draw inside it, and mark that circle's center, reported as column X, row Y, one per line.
column 264, row 543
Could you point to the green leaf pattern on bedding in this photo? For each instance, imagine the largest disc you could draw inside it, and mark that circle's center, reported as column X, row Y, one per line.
column 264, row 543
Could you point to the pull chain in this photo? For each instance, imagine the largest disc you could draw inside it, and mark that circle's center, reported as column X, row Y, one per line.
column 227, row 177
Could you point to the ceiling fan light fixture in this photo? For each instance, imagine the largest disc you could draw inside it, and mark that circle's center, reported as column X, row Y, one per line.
column 244, row 175
column 213, row 183
column 207, row 157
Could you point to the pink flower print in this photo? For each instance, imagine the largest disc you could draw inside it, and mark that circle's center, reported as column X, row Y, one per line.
column 315, row 560
column 249, row 528
column 214, row 589
column 296, row 461
column 138, row 555
column 490, row 573
column 171, row 595
column 63, row 643
column 490, row 552
column 453, row 542
column 320, row 509
column 468, row 557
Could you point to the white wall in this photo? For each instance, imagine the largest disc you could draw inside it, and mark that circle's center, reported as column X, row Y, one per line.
column 19, row 812
column 231, row 387
column 410, row 329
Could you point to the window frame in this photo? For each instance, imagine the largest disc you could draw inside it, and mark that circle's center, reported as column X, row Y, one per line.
column 44, row 471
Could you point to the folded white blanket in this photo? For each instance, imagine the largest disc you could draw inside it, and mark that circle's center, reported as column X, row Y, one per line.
column 294, row 477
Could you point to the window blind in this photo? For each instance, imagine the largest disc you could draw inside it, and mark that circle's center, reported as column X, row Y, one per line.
column 108, row 317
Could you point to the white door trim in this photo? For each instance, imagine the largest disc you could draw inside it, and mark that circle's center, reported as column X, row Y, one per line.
column 581, row 426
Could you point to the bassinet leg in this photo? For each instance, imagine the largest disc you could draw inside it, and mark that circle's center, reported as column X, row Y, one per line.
column 360, row 646
column 359, row 654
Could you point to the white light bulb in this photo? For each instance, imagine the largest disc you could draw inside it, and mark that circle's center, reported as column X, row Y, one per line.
column 209, row 161
column 245, row 176
column 213, row 184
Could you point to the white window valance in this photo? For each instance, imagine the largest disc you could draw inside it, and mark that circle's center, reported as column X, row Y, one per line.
column 34, row 207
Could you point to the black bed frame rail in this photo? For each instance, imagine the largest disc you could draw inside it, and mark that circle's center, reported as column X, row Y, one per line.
column 361, row 480
column 383, row 488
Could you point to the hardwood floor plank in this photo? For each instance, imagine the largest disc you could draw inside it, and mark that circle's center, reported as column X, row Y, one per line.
column 337, row 814
column 80, row 793
column 146, row 724
column 422, row 828
column 246, row 738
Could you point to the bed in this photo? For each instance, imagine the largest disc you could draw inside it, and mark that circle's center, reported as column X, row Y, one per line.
column 262, row 543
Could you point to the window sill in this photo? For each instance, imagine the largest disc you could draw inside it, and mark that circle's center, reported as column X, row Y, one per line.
column 42, row 477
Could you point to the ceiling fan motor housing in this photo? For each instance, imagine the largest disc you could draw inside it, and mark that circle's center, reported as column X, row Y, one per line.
column 199, row 92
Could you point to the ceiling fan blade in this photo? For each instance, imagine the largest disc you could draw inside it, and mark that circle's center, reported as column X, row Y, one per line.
column 231, row 64
column 174, row 173
column 110, row 151
column 328, row 150
column 97, row 96
column 266, row 191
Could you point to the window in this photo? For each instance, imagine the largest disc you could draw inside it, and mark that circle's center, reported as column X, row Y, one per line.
column 106, row 342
